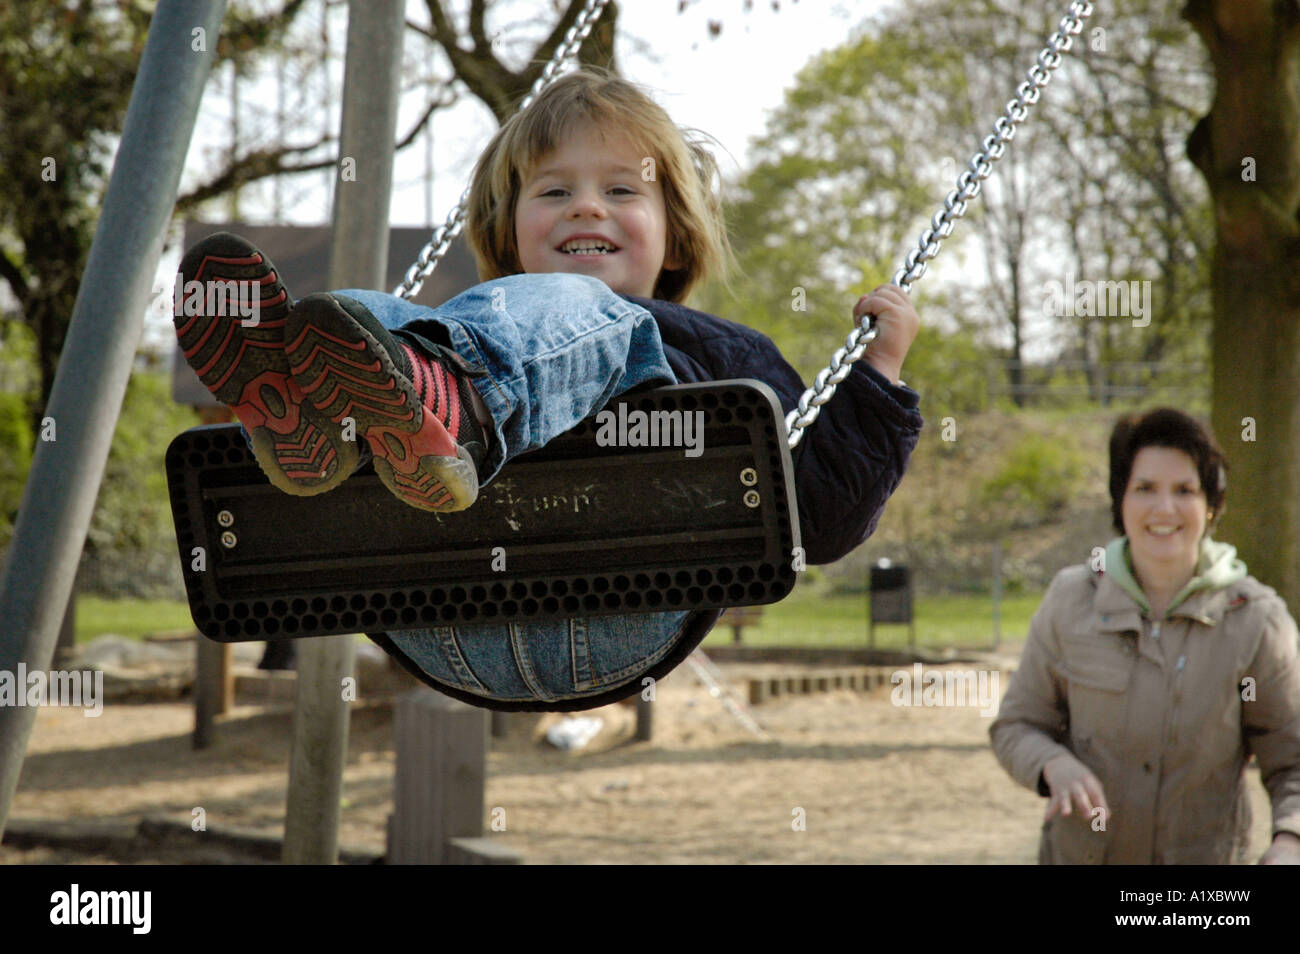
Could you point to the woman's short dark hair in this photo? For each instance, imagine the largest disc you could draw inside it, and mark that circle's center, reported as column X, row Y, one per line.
column 1165, row 427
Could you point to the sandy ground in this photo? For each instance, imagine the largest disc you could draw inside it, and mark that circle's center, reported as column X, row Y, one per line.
column 871, row 782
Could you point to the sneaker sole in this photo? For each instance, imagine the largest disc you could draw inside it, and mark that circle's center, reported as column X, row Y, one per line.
column 300, row 452
column 345, row 372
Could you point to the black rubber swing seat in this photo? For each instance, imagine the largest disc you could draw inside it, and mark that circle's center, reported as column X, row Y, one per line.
column 574, row 529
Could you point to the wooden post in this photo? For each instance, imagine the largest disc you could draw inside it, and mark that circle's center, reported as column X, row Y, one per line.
column 359, row 259
column 214, row 687
column 644, row 718
column 438, row 792
column 318, row 752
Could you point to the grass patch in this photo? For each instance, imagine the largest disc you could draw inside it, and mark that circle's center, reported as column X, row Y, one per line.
column 802, row 619
column 97, row 615
column 805, row 618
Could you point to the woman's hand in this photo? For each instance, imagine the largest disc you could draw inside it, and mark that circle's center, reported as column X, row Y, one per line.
column 1072, row 784
column 898, row 324
column 1285, row 850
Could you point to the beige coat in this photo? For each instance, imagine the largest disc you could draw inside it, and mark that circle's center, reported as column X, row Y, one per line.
column 1169, row 742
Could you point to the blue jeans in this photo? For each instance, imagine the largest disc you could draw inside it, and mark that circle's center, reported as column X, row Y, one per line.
column 556, row 349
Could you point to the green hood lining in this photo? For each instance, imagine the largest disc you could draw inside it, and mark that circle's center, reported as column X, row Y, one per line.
column 1216, row 568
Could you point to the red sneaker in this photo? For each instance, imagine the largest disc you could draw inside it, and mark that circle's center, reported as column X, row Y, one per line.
column 230, row 311
column 415, row 412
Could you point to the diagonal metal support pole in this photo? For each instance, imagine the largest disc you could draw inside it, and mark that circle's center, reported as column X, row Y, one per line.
column 362, row 194
column 107, row 319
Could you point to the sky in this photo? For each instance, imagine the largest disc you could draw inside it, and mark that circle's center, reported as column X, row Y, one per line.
column 723, row 85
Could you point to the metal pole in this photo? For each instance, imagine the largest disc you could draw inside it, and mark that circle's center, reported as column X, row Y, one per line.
column 359, row 259
column 106, row 324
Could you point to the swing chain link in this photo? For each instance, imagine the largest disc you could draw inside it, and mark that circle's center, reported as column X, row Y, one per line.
column 446, row 233
column 941, row 225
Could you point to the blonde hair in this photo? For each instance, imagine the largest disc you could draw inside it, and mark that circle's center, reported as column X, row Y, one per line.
column 696, row 233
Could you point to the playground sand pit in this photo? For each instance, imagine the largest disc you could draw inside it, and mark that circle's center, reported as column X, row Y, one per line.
column 847, row 778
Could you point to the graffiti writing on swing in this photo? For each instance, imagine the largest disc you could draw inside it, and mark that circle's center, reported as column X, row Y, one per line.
column 678, row 494
column 518, row 508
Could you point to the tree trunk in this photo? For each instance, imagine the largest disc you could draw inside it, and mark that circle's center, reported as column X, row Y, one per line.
column 1248, row 149
column 1014, row 250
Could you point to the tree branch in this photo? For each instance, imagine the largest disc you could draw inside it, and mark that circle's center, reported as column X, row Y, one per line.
column 12, row 274
column 480, row 70
column 477, row 33
column 434, row 106
column 546, row 49
column 271, row 162
column 242, row 36
column 255, row 165
column 421, row 29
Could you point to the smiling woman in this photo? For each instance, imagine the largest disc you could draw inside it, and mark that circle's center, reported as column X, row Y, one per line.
column 1149, row 680
column 1167, row 485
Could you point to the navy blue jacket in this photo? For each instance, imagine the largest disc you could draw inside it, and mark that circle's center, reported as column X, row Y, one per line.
column 850, row 459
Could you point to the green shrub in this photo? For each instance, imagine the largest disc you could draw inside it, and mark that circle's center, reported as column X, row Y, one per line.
column 15, row 460
column 949, row 371
column 133, row 512
column 1036, row 481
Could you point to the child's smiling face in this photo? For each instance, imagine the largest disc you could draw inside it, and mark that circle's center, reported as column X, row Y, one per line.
column 589, row 192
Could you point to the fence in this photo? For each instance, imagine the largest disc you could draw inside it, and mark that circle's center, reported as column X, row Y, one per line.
column 1102, row 382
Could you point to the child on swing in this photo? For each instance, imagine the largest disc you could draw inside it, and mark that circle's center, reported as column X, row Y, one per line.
column 591, row 218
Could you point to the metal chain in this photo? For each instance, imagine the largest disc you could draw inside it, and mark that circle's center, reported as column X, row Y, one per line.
column 713, row 680
column 437, row 246
column 954, row 207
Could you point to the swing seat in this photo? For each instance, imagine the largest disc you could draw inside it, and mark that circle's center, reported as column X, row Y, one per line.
column 594, row 524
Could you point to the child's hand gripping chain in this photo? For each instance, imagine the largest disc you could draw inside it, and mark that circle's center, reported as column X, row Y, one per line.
column 898, row 324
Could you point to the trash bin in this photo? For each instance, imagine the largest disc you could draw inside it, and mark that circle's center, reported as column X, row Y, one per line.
column 890, row 594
